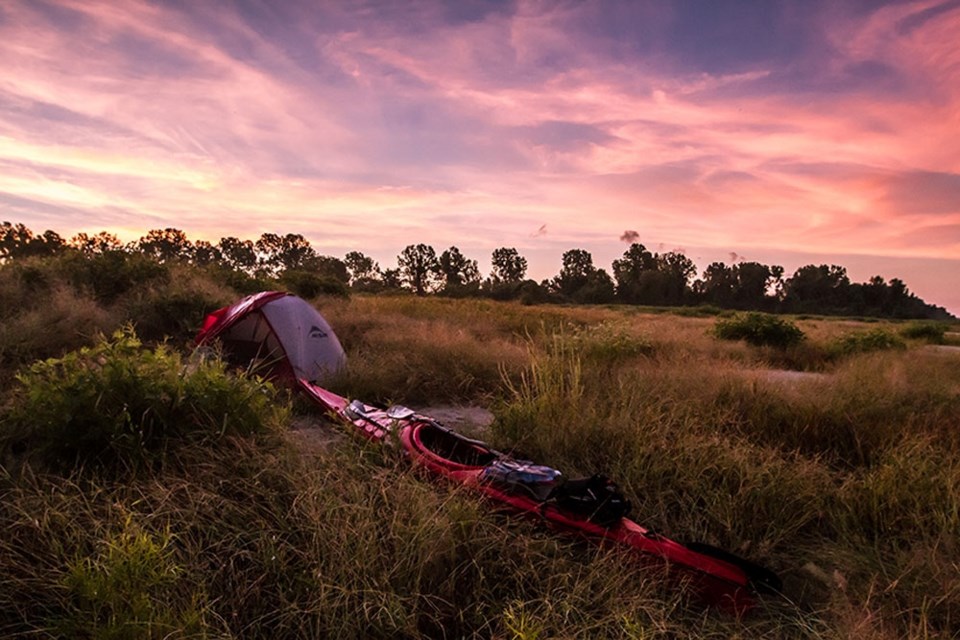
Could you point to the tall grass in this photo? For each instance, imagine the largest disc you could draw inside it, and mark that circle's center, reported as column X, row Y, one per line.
column 852, row 470
column 848, row 484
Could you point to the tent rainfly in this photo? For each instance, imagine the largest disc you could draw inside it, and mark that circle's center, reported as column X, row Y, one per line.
column 280, row 330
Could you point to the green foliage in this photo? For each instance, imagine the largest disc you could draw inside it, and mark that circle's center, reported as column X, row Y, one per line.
column 876, row 339
column 18, row 242
column 165, row 245
column 507, row 266
column 119, row 405
column 846, row 482
column 759, row 329
column 932, row 332
column 700, row 311
column 240, row 281
column 607, row 342
column 419, row 267
column 581, row 282
column 309, row 285
column 174, row 308
column 112, row 274
column 128, row 590
column 48, row 324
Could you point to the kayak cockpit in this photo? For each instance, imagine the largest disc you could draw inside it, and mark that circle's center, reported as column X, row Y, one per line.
column 453, row 447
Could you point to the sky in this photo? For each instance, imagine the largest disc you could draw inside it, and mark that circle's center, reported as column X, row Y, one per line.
column 786, row 132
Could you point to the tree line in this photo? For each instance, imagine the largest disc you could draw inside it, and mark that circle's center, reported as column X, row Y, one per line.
column 639, row 277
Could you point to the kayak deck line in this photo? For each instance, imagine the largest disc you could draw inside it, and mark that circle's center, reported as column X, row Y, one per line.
column 717, row 577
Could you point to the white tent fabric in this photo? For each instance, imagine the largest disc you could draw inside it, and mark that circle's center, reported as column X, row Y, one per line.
column 310, row 344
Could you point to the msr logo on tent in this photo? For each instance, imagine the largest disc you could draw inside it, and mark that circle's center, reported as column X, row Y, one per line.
column 317, row 332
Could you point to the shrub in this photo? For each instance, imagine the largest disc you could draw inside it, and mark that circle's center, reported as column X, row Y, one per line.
column 699, row 311
column 759, row 329
column 177, row 307
column 24, row 284
column 53, row 323
column 865, row 342
column 109, row 275
column 241, row 282
column 118, row 405
column 607, row 342
column 308, row 285
column 932, row 332
column 128, row 590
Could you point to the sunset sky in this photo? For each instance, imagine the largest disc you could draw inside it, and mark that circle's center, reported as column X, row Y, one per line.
column 784, row 132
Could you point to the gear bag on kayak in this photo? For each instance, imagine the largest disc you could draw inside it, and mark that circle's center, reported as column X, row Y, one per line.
column 596, row 498
column 537, row 481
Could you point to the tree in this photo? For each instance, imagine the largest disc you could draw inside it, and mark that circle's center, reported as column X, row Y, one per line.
column 239, row 255
column 651, row 278
column 278, row 253
column 392, row 279
column 460, row 274
column 752, row 281
column 677, row 270
column 580, row 281
column 327, row 267
column 818, row 289
column 17, row 241
column 205, row 253
column 508, row 266
column 364, row 272
column 419, row 267
column 598, row 289
column 776, row 281
column 165, row 245
column 96, row 244
column 575, row 272
column 718, row 285
column 630, row 272
column 874, row 295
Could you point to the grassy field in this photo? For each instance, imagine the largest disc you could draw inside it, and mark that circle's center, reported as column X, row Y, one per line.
column 835, row 461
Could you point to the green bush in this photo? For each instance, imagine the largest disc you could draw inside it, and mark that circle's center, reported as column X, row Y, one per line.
column 242, row 283
column 607, row 342
column 175, row 308
column 865, row 342
column 53, row 323
column 699, row 311
column 118, row 405
column 759, row 329
column 25, row 284
column 128, row 590
column 169, row 313
column 109, row 275
column 932, row 332
column 309, row 285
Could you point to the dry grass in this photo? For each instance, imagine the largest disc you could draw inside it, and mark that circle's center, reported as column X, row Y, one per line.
column 848, row 484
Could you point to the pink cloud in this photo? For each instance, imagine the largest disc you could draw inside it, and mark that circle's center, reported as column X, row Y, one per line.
column 422, row 126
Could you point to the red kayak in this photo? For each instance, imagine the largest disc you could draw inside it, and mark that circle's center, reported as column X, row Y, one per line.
column 721, row 579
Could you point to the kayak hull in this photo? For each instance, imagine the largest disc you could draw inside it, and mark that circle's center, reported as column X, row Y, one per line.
column 715, row 581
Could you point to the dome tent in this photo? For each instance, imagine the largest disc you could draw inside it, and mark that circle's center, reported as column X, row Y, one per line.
column 279, row 329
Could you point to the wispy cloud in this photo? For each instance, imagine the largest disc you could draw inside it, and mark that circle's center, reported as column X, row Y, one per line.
column 833, row 128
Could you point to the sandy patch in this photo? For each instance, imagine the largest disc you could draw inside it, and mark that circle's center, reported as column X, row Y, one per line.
column 943, row 348
column 468, row 419
column 313, row 434
column 783, row 376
